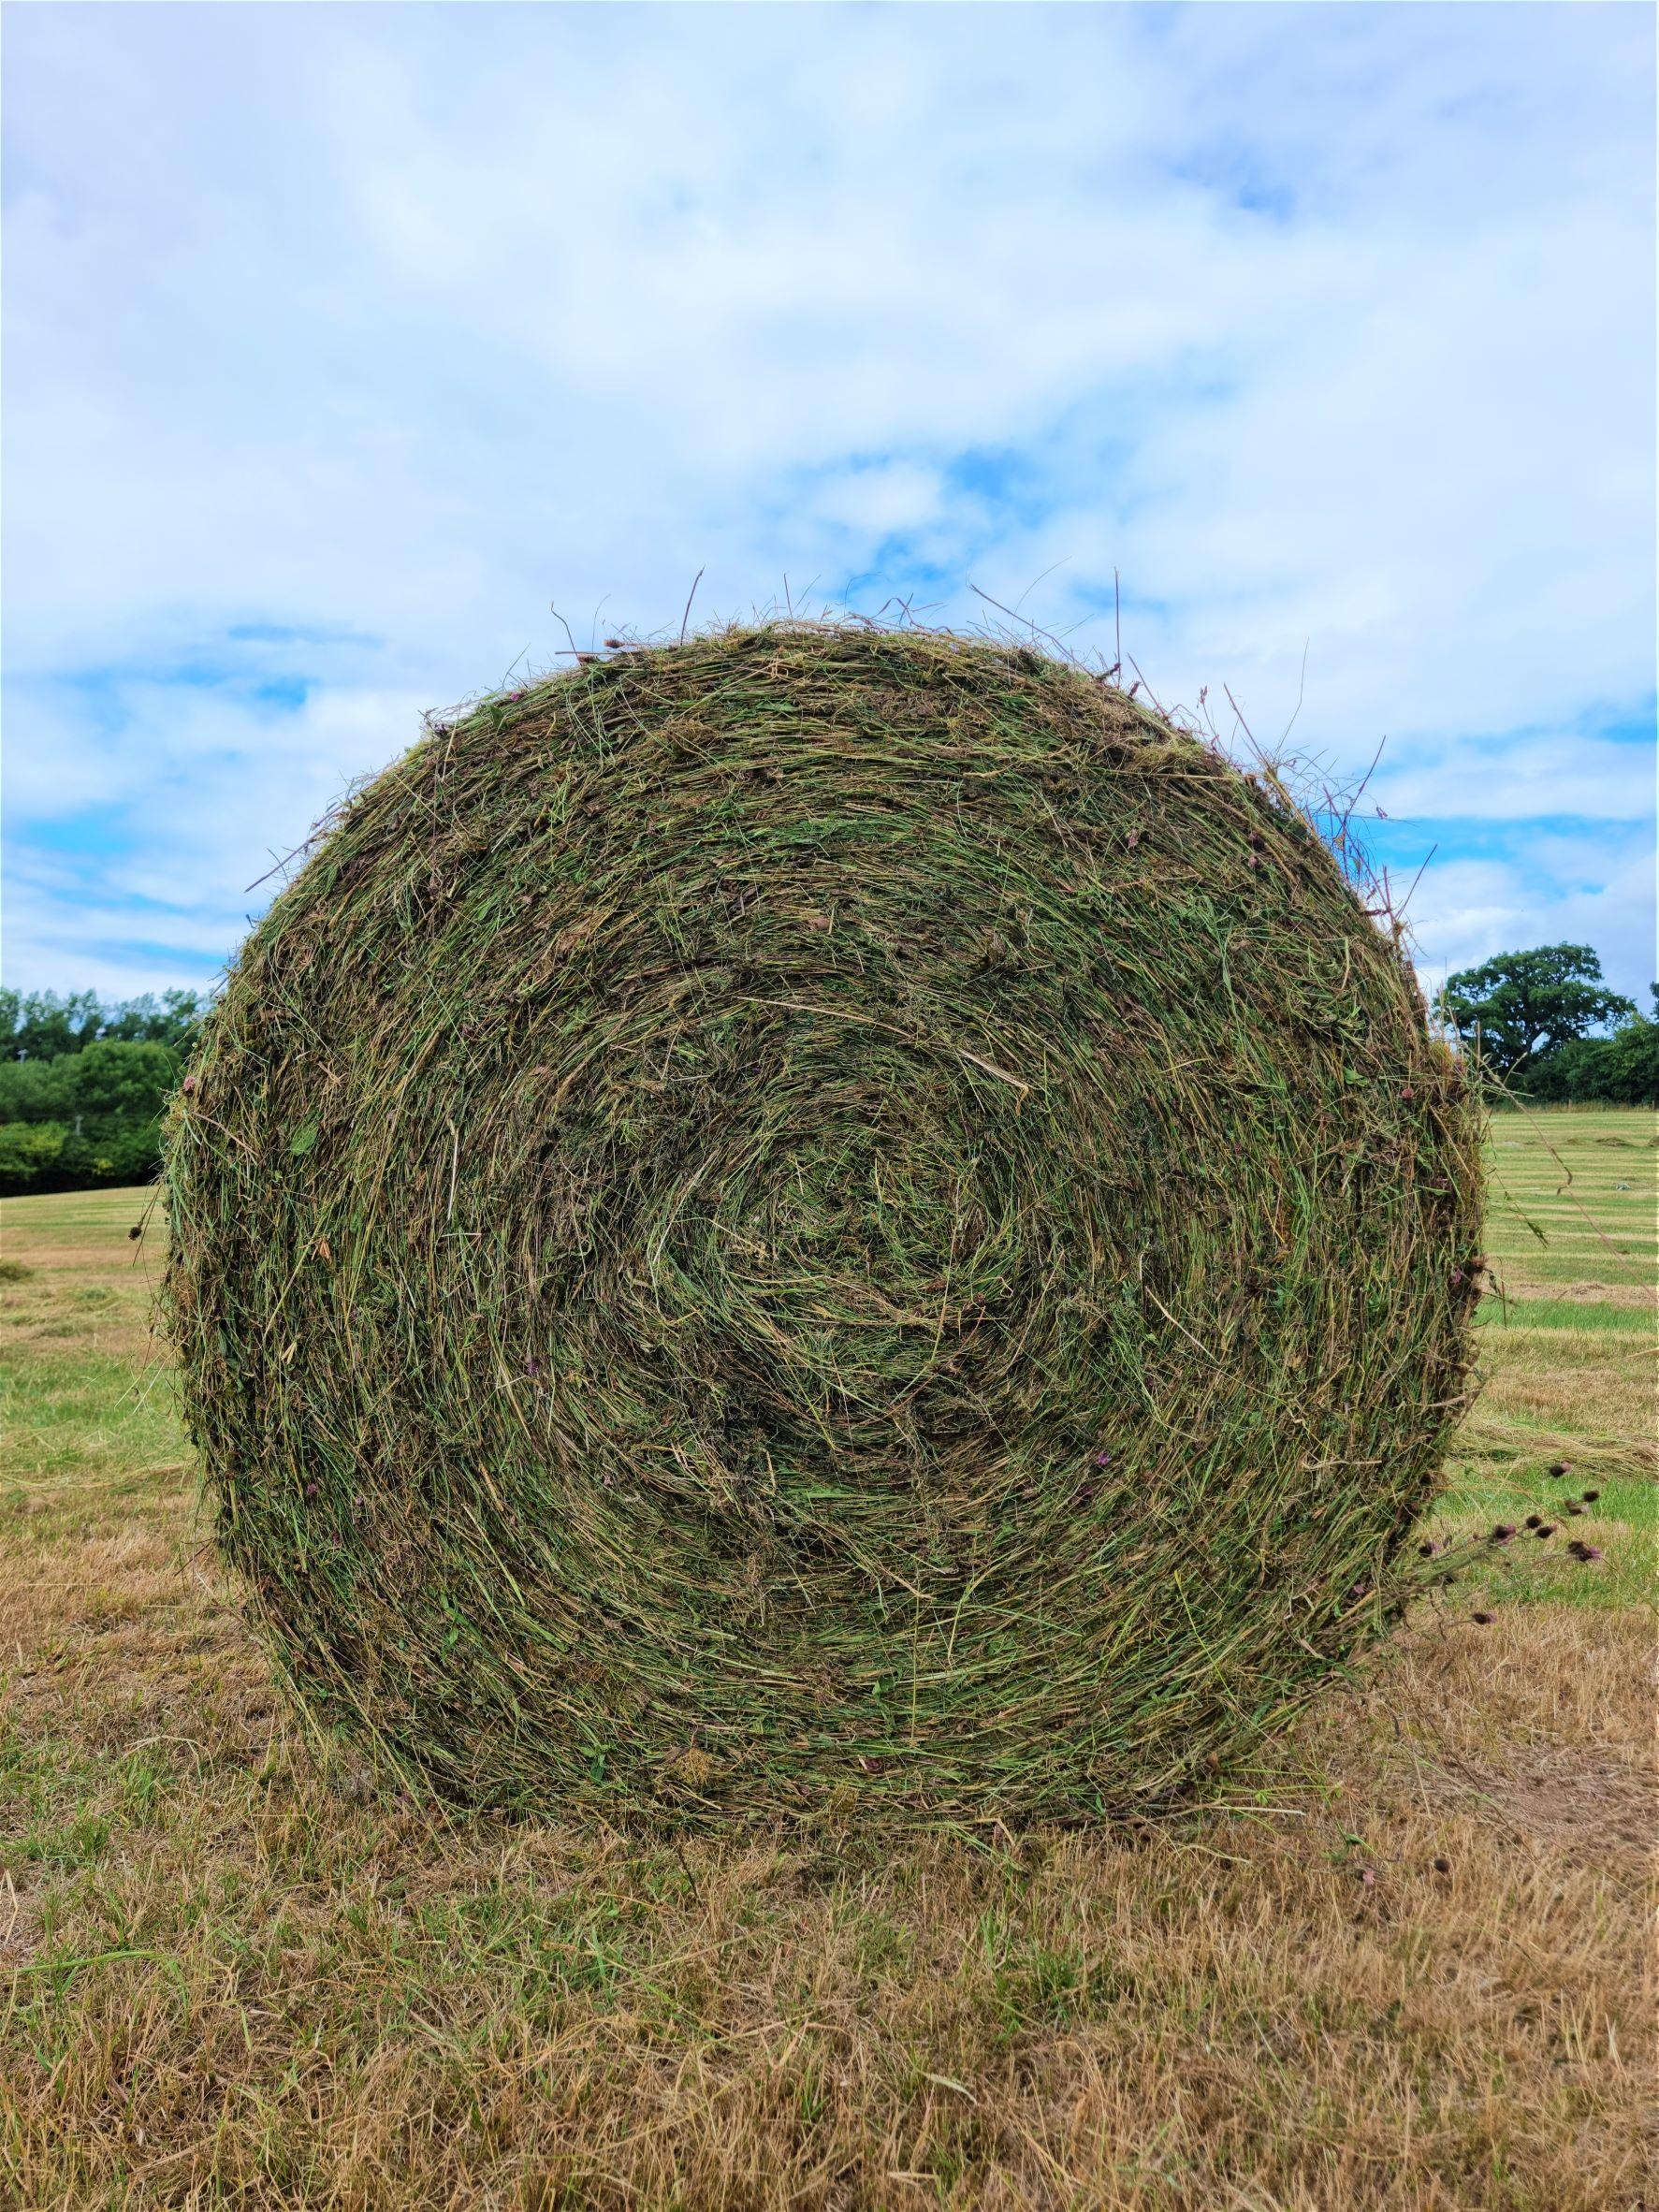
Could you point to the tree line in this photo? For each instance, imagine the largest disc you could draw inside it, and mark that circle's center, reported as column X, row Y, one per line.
column 1543, row 1026
column 84, row 1084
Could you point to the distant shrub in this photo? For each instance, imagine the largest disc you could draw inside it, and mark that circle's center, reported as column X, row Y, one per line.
column 28, row 1152
column 86, row 1117
column 1619, row 1070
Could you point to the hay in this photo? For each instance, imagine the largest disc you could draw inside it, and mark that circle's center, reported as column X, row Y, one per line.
column 819, row 1219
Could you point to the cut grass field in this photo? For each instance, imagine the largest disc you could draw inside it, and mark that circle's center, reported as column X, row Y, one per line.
column 1399, row 1965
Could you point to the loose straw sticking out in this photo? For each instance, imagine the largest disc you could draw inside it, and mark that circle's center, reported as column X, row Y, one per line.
column 820, row 1222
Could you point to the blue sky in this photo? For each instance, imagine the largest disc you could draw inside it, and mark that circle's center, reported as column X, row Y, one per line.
column 343, row 341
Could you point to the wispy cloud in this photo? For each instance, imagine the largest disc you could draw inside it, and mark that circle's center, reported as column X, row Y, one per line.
column 343, row 341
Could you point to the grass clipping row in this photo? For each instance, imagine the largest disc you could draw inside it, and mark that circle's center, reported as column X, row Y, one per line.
column 820, row 1223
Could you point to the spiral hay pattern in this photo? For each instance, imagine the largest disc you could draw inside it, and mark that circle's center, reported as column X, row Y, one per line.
column 820, row 1221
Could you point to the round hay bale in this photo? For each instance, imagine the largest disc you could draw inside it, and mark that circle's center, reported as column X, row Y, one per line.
column 820, row 1219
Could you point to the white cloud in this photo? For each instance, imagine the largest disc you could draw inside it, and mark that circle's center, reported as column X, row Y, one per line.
column 881, row 498
column 1463, row 911
column 1331, row 330
column 1521, row 778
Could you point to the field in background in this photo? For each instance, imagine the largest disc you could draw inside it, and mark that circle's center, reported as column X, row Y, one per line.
column 1398, row 1967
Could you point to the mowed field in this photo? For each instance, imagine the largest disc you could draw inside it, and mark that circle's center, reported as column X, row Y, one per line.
column 1398, row 1965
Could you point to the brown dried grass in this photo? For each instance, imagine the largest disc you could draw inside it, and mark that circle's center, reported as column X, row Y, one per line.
column 234, row 1971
